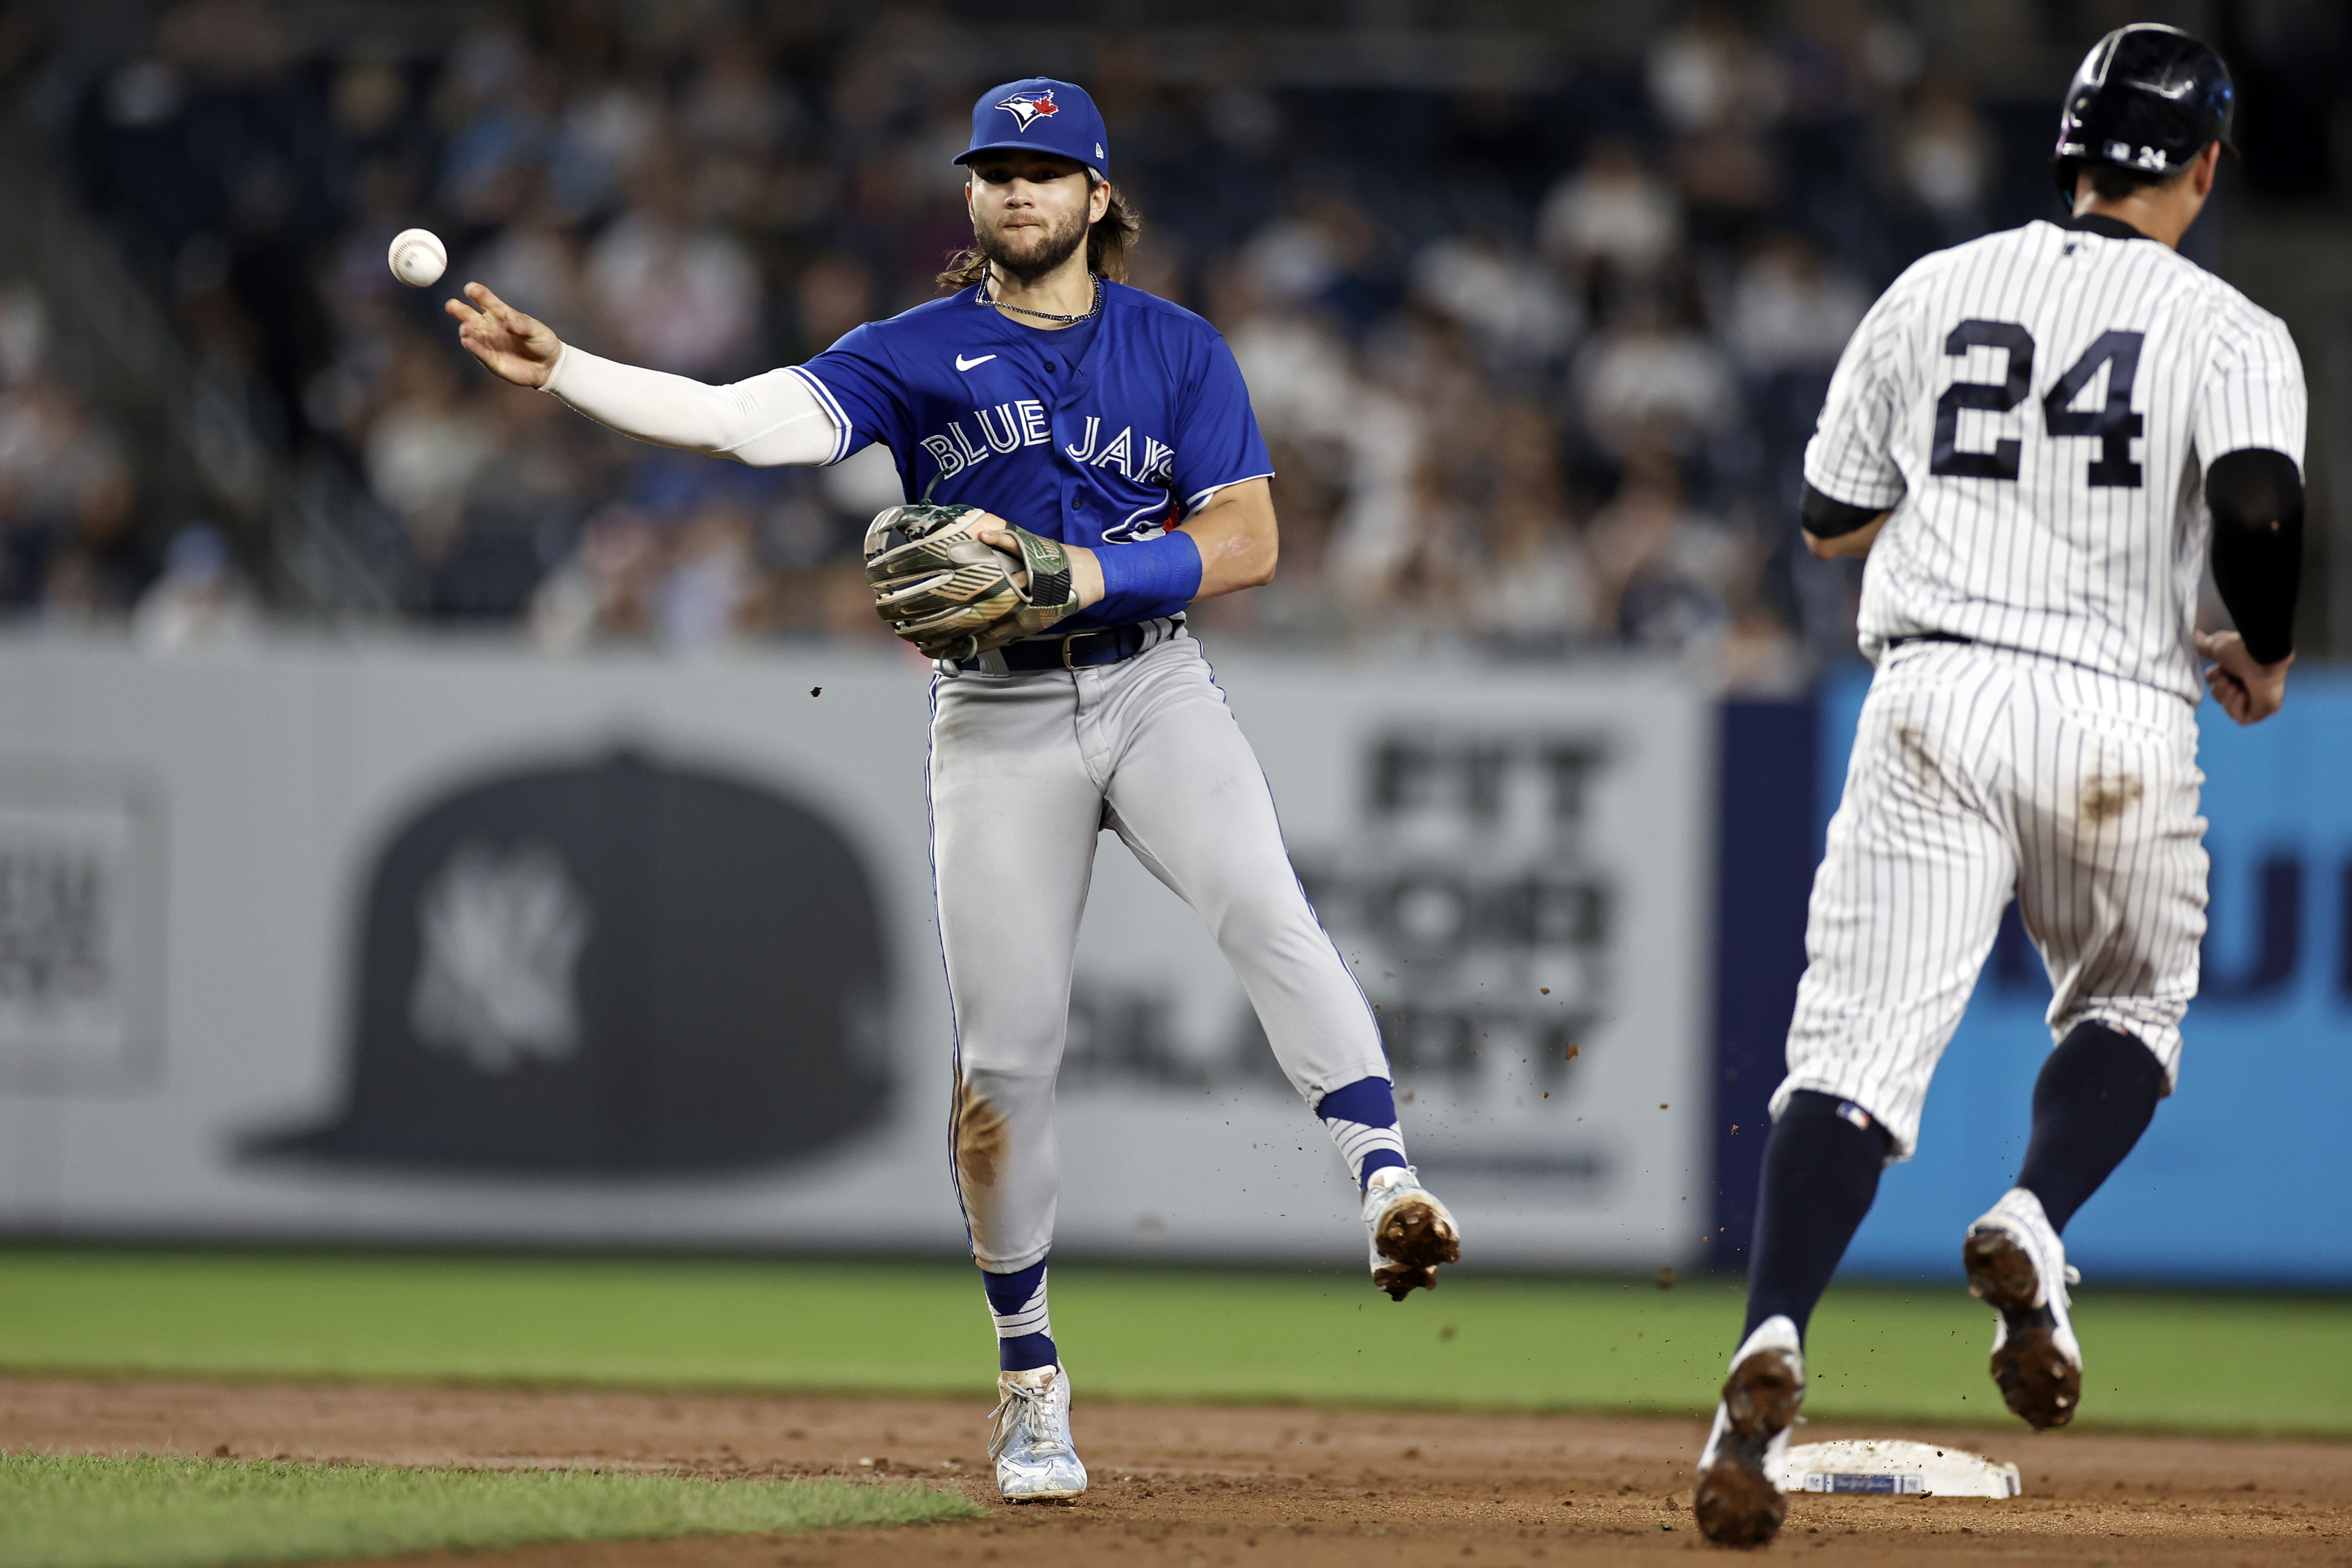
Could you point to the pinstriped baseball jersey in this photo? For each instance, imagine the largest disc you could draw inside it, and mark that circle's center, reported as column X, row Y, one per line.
column 2039, row 407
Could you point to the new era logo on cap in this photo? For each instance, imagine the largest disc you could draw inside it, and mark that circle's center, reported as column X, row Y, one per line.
column 1029, row 107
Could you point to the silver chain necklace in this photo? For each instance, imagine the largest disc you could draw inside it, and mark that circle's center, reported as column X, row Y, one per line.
column 1092, row 312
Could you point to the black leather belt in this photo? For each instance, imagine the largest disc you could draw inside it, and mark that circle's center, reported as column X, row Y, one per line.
column 1926, row 636
column 1075, row 650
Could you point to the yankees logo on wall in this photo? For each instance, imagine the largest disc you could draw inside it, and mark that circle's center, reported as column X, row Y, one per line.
column 621, row 967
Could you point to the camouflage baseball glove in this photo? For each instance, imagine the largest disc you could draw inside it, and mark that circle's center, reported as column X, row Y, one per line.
column 952, row 596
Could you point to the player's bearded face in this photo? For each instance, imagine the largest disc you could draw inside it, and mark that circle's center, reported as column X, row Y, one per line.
column 1027, row 227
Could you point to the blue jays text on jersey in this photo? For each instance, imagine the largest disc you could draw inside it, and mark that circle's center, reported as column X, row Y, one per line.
column 1097, row 434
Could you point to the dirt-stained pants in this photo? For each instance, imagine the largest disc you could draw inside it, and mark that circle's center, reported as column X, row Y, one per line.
column 1978, row 772
column 1025, row 771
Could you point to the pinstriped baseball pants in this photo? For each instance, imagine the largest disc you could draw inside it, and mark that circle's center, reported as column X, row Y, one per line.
column 1027, row 771
column 1978, row 774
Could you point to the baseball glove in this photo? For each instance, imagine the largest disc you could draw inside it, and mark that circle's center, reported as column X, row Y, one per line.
column 939, row 587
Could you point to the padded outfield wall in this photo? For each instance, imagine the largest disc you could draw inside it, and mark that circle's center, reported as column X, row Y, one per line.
column 2246, row 1176
column 426, row 940
column 433, row 942
column 2247, row 1171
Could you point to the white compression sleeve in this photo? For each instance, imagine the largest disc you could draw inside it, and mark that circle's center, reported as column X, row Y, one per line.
column 767, row 420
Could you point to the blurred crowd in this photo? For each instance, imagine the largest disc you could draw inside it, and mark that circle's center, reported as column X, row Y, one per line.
column 73, row 547
column 1536, row 367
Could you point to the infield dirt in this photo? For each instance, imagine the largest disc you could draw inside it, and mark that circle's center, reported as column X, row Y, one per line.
column 1199, row 1486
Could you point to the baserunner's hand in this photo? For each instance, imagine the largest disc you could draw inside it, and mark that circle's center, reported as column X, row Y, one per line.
column 2247, row 691
column 511, row 344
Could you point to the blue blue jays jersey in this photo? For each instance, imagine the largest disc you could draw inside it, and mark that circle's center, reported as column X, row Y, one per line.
column 1100, row 435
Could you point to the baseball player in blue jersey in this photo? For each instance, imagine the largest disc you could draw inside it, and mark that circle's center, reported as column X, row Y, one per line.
column 1088, row 466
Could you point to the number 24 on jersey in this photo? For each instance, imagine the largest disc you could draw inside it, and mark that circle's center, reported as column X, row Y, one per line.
column 2113, row 426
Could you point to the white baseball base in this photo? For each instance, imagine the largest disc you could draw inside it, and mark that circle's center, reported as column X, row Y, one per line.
column 1899, row 1467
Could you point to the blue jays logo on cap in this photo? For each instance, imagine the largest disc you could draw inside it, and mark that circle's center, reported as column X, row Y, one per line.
column 1025, row 106
column 1039, row 114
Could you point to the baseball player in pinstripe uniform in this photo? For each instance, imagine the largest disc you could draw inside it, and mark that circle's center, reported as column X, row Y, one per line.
column 2035, row 438
column 1088, row 462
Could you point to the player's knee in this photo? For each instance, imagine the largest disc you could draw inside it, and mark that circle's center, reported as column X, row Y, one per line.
column 1011, row 1039
column 2095, row 1050
column 1810, row 1108
column 1261, row 921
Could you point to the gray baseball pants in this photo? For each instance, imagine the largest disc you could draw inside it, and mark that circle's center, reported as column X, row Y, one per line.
column 1025, row 771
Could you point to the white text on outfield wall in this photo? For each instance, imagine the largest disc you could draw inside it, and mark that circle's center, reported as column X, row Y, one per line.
column 409, row 940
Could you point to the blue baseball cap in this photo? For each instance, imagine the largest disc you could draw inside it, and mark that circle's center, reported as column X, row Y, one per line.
column 1038, row 114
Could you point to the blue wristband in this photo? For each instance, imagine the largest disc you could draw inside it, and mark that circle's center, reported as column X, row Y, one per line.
column 1155, row 577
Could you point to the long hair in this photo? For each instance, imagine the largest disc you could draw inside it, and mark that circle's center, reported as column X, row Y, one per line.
column 1108, row 238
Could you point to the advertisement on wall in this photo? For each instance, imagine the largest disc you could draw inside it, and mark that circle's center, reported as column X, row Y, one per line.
column 424, row 942
column 80, row 938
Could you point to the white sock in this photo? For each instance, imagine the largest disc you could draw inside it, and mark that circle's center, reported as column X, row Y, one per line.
column 1357, row 1143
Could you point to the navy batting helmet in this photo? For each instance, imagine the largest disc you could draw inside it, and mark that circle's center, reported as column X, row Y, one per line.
column 2148, row 98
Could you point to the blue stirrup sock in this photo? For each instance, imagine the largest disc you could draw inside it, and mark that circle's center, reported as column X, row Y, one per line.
column 1822, row 1161
column 1016, row 1304
column 1152, row 577
column 2097, row 1095
column 1362, row 1120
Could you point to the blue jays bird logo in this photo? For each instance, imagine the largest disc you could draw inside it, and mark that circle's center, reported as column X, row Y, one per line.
column 1030, row 107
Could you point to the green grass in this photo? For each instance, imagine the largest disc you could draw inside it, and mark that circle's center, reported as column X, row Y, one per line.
column 2181, row 1361
column 66, row 1512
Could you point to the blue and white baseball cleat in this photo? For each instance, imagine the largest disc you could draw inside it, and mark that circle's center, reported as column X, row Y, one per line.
column 1031, row 1442
column 1411, row 1232
column 1739, row 1500
column 2017, row 1266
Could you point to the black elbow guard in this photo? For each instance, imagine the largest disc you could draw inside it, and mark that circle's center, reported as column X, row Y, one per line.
column 1826, row 517
column 2257, row 498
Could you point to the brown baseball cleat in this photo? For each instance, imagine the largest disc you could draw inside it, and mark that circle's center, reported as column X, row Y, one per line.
column 2017, row 1266
column 1411, row 1232
column 1738, row 1501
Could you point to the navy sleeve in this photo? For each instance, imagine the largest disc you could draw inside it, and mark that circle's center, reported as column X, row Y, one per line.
column 1217, row 439
column 861, row 388
column 1826, row 517
column 2256, row 497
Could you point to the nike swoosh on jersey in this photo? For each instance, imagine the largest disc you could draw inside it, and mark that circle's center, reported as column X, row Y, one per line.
column 964, row 363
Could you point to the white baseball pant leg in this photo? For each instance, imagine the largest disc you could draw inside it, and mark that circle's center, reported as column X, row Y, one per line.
column 1025, row 770
column 1977, row 773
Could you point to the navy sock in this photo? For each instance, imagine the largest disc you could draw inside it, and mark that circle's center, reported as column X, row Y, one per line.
column 2096, row 1096
column 1361, row 1119
column 1820, row 1172
column 1024, row 1334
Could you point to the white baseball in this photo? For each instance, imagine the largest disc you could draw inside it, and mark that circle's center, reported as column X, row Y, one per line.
column 418, row 257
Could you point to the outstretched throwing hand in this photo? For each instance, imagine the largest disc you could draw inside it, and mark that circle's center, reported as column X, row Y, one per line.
column 512, row 345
